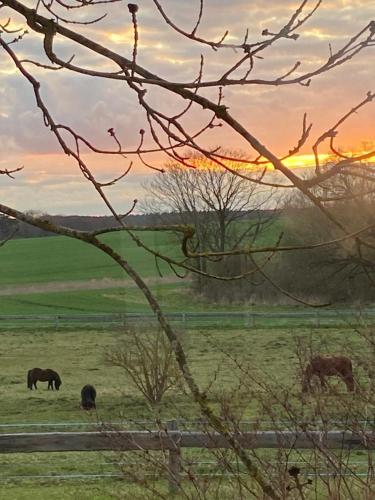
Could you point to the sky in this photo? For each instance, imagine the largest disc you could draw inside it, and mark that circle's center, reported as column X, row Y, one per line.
column 51, row 182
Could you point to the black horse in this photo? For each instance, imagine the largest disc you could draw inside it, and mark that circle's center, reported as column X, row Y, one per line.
column 88, row 396
column 47, row 375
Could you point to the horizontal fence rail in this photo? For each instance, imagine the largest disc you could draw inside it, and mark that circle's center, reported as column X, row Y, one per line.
column 170, row 440
column 245, row 319
column 192, row 425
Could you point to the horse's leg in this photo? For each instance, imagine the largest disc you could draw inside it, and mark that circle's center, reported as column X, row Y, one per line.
column 323, row 383
column 35, row 385
column 349, row 382
column 306, row 382
column 306, row 387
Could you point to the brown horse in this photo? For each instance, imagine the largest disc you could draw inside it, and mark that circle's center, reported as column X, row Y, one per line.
column 322, row 367
column 47, row 375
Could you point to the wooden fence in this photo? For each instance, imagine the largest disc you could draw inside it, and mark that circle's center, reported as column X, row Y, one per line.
column 173, row 441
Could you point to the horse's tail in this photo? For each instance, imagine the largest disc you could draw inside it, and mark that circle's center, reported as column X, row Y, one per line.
column 29, row 380
column 349, row 377
column 306, row 378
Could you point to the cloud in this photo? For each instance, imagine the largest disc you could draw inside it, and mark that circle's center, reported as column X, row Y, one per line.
column 51, row 184
column 92, row 106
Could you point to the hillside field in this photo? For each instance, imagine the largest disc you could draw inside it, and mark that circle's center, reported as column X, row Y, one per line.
column 58, row 258
column 45, row 271
column 57, row 275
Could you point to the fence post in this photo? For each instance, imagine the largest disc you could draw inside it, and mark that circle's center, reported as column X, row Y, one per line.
column 317, row 319
column 249, row 320
column 174, row 461
column 183, row 318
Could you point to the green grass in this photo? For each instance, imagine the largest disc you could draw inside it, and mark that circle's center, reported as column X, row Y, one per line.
column 102, row 490
column 172, row 297
column 76, row 489
column 39, row 261
column 58, row 258
column 78, row 354
column 79, row 357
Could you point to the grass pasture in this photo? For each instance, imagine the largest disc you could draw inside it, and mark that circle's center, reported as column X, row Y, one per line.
column 77, row 352
column 78, row 355
column 174, row 296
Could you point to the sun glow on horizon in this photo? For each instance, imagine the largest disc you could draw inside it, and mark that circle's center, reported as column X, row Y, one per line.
column 292, row 162
column 298, row 161
column 305, row 160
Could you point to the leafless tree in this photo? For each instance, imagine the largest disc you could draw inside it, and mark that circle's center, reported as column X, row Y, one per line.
column 170, row 132
column 212, row 200
column 224, row 209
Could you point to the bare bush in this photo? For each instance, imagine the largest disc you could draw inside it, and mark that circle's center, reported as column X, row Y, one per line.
column 147, row 359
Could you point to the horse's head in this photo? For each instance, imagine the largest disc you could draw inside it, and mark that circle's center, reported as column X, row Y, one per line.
column 57, row 383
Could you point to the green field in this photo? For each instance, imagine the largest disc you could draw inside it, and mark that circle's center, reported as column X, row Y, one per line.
column 78, row 353
column 79, row 356
column 58, row 258
column 50, row 262
column 70, row 276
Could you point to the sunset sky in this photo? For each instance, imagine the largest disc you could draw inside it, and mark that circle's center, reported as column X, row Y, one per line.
column 51, row 182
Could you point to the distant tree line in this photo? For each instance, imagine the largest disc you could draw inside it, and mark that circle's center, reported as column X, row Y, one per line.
column 327, row 275
column 79, row 222
column 90, row 223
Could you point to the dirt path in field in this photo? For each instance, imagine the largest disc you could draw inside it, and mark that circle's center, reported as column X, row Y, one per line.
column 66, row 286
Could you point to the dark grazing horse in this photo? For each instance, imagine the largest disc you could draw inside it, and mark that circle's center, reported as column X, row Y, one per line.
column 47, row 375
column 88, row 396
column 322, row 367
